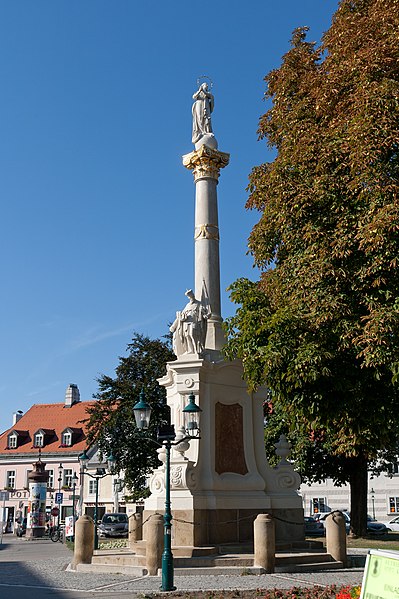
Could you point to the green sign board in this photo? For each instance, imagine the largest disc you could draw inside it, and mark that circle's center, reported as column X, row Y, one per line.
column 381, row 575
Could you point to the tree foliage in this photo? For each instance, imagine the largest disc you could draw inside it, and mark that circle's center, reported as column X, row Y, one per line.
column 111, row 422
column 321, row 326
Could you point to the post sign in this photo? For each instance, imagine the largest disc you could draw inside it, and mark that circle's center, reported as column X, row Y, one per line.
column 69, row 532
column 381, row 575
column 59, row 497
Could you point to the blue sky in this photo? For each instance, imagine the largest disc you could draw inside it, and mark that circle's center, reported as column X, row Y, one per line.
column 96, row 208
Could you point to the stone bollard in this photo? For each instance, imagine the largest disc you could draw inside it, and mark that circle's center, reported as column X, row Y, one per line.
column 336, row 536
column 264, row 543
column 154, row 544
column 135, row 528
column 84, row 541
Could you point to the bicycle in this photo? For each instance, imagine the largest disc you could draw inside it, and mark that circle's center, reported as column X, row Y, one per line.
column 57, row 534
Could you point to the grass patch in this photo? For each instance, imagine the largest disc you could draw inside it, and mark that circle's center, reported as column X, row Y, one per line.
column 113, row 543
column 387, row 541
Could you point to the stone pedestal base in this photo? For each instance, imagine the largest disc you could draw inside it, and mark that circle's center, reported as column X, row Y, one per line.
column 202, row 528
column 221, row 482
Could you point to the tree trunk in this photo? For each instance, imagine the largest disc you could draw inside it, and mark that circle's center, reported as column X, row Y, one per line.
column 358, row 484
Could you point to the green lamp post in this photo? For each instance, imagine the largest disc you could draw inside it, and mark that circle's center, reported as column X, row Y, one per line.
column 166, row 436
column 60, row 481
column 74, row 481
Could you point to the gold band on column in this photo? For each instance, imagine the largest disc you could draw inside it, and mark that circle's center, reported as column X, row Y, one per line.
column 206, row 232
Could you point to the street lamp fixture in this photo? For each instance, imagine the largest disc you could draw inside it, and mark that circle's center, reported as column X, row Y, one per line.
column 111, row 463
column 191, row 415
column 83, row 459
column 166, row 436
column 100, row 473
column 372, row 494
column 142, row 412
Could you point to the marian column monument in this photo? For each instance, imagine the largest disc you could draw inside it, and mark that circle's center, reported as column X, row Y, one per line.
column 221, row 482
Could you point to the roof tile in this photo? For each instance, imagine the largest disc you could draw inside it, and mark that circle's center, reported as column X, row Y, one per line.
column 55, row 417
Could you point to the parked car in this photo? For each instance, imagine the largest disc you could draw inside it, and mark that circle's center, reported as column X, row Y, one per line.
column 21, row 527
column 393, row 524
column 373, row 527
column 321, row 518
column 313, row 528
column 114, row 525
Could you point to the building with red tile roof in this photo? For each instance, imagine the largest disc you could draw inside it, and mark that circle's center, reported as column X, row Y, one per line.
column 54, row 427
column 56, row 432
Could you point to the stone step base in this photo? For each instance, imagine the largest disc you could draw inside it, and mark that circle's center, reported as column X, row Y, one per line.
column 179, row 551
column 119, row 560
column 309, row 567
column 294, row 546
column 132, row 564
column 254, row 570
column 134, row 571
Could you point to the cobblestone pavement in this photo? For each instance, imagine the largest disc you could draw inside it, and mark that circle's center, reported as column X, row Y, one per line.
column 37, row 569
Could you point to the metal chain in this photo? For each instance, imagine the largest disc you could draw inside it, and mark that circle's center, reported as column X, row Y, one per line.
column 223, row 522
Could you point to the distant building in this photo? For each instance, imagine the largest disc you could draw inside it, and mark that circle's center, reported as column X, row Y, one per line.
column 382, row 500
column 58, row 431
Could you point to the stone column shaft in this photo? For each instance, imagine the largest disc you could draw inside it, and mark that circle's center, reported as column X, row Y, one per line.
column 206, row 164
column 206, row 235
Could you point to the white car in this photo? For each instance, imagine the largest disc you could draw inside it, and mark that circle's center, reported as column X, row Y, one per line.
column 322, row 517
column 393, row 524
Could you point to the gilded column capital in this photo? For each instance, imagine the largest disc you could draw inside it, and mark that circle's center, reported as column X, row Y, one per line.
column 206, row 162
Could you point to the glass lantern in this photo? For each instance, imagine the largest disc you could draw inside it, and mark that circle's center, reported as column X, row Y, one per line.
column 191, row 414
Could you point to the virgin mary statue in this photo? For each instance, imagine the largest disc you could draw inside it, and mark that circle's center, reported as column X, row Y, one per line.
column 202, row 109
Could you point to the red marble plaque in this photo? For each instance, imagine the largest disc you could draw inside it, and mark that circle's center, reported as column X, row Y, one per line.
column 229, row 439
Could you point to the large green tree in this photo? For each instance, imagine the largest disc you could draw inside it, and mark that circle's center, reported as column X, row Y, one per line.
column 321, row 325
column 111, row 422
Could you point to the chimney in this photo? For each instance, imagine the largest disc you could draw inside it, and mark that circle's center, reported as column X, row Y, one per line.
column 16, row 416
column 72, row 395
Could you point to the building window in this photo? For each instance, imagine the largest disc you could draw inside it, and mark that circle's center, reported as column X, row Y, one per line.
column 318, row 505
column 50, row 484
column 393, row 468
column 12, row 441
column 10, row 479
column 394, row 505
column 67, row 439
column 92, row 487
column 39, row 440
column 68, row 473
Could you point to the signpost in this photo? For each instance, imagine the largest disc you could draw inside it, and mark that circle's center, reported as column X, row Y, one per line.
column 59, row 498
column 381, row 575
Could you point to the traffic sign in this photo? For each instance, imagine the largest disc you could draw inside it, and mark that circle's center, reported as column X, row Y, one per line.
column 59, row 497
column 55, row 511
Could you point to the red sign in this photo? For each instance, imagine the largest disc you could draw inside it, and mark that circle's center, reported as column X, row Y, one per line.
column 55, row 511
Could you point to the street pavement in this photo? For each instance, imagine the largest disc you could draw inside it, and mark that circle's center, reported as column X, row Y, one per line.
column 37, row 570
